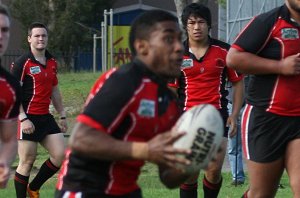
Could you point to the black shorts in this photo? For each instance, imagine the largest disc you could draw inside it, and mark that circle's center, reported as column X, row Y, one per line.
column 44, row 125
column 69, row 194
column 265, row 135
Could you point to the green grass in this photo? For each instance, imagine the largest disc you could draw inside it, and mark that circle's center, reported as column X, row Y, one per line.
column 153, row 188
column 75, row 88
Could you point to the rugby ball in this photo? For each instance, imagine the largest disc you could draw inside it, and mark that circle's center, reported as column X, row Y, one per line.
column 204, row 130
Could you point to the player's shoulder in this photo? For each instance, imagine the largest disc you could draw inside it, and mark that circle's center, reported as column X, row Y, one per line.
column 271, row 16
column 21, row 60
column 129, row 75
column 9, row 78
column 219, row 43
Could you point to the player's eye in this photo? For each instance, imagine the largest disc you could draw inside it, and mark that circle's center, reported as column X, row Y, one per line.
column 169, row 39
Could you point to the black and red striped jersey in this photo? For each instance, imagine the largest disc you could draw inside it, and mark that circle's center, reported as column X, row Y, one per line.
column 272, row 35
column 37, row 81
column 130, row 104
column 204, row 80
column 10, row 96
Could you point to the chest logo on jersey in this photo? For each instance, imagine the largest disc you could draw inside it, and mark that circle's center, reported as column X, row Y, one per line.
column 289, row 33
column 187, row 63
column 35, row 70
column 147, row 108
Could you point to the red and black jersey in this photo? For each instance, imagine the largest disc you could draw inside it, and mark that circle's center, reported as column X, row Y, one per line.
column 203, row 81
column 37, row 82
column 272, row 35
column 10, row 95
column 130, row 104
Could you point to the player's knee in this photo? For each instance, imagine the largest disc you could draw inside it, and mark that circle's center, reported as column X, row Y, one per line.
column 295, row 183
column 192, row 180
column 57, row 159
column 213, row 176
column 26, row 165
column 261, row 192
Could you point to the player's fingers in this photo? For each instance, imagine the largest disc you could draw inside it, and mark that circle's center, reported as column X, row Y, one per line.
column 170, row 150
column 175, row 136
column 177, row 160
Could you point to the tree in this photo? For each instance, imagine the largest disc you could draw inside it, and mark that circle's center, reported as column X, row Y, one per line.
column 62, row 18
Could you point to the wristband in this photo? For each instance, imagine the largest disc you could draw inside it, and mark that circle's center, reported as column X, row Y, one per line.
column 63, row 118
column 22, row 116
column 24, row 119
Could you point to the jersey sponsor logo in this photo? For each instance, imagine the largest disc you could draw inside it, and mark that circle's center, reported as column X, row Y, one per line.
column 187, row 63
column 147, row 108
column 35, row 70
column 289, row 33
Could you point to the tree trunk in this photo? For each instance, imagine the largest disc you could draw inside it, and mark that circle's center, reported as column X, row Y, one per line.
column 52, row 15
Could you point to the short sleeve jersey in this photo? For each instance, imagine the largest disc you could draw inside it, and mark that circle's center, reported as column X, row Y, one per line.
column 130, row 104
column 272, row 35
column 10, row 96
column 37, row 81
column 204, row 80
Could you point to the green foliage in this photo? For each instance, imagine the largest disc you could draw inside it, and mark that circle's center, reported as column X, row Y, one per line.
column 222, row 3
column 62, row 18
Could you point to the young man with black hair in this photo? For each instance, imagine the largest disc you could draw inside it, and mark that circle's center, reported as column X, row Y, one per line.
column 128, row 118
column 37, row 72
column 269, row 50
column 10, row 98
column 203, row 80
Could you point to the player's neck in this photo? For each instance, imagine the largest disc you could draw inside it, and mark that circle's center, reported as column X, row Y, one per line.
column 294, row 14
column 198, row 43
column 39, row 55
column 199, row 48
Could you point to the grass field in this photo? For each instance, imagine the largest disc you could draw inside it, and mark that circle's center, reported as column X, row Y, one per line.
column 74, row 88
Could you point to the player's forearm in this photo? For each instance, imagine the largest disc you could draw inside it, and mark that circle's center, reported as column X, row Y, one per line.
column 238, row 97
column 57, row 102
column 8, row 151
column 248, row 63
column 95, row 144
column 8, row 143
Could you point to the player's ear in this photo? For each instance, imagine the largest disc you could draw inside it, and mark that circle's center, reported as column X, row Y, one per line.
column 29, row 39
column 141, row 47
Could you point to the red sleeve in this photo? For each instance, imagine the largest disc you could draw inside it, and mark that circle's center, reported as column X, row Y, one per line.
column 233, row 76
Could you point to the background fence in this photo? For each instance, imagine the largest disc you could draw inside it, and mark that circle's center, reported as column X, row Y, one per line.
column 81, row 60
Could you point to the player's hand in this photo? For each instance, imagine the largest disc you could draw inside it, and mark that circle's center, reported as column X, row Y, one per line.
column 290, row 65
column 63, row 125
column 4, row 174
column 27, row 127
column 162, row 152
column 232, row 124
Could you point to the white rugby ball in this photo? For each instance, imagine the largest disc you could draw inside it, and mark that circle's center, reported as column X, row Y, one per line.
column 204, row 129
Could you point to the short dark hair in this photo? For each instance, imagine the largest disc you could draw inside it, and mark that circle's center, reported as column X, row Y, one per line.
column 4, row 10
column 145, row 23
column 36, row 25
column 196, row 10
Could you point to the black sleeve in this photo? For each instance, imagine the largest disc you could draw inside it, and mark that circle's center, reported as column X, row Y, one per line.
column 257, row 32
column 17, row 68
column 112, row 98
